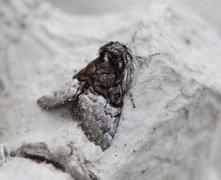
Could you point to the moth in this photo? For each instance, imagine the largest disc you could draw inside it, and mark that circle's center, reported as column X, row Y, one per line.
column 97, row 93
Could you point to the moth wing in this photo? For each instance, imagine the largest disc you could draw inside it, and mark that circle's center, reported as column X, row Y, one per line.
column 99, row 120
column 84, row 74
column 71, row 90
column 67, row 93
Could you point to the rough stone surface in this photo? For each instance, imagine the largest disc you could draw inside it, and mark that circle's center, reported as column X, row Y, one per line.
column 171, row 132
column 3, row 154
column 23, row 169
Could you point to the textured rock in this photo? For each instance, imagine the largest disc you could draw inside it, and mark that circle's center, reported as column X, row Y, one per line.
column 23, row 169
column 3, row 154
column 169, row 135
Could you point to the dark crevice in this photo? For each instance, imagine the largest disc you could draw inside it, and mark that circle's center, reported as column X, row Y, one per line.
column 93, row 177
column 40, row 159
column 2, row 87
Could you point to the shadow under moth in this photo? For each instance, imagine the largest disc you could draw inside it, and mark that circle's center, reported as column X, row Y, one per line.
column 97, row 93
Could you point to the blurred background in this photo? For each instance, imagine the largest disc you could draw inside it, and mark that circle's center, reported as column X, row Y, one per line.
column 208, row 9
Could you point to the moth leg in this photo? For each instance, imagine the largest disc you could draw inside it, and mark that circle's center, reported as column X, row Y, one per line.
column 59, row 97
column 155, row 54
column 132, row 99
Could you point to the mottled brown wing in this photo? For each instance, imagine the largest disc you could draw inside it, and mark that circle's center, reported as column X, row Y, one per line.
column 87, row 72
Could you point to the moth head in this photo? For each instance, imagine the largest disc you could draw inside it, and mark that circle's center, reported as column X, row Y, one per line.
column 116, row 54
